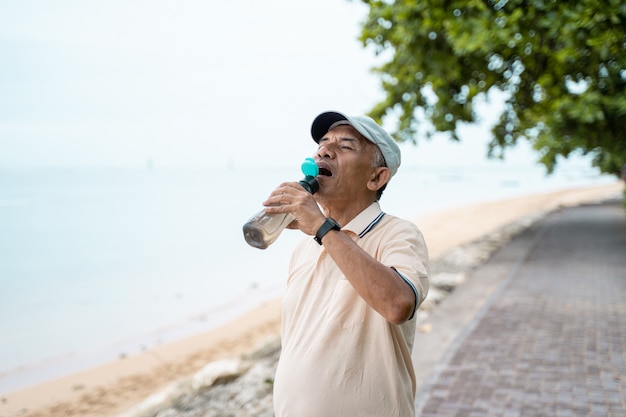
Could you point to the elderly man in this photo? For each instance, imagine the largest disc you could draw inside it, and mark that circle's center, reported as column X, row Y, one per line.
column 354, row 283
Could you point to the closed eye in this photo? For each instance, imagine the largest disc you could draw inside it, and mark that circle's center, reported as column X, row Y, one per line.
column 345, row 143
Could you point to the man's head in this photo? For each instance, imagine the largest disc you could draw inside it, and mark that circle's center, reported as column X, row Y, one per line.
column 337, row 135
column 367, row 127
column 384, row 150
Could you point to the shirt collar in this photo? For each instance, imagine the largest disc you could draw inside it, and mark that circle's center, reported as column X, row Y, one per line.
column 365, row 220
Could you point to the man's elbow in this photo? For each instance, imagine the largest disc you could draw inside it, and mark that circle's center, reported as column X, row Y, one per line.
column 401, row 312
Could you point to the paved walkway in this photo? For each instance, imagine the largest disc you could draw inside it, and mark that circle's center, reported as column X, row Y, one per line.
column 539, row 330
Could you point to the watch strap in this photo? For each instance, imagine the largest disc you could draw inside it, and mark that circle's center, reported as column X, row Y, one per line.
column 328, row 225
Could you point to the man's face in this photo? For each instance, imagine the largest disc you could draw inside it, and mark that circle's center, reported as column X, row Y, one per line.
column 345, row 161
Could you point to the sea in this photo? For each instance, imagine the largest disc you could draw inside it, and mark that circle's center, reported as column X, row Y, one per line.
column 101, row 263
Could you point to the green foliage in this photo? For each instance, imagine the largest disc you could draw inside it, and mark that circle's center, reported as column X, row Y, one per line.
column 561, row 64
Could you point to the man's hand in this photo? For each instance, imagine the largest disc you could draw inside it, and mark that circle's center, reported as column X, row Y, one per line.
column 291, row 197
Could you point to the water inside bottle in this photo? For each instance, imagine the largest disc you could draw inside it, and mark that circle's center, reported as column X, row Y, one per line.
column 263, row 229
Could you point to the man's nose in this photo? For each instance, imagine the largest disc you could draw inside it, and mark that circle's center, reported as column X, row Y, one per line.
column 325, row 151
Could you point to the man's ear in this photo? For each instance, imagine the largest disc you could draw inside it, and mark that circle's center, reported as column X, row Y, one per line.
column 380, row 176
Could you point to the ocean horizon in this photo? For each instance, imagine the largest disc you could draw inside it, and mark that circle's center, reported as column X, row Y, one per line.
column 96, row 264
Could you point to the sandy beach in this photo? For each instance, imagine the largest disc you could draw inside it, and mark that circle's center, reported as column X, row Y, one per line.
column 114, row 388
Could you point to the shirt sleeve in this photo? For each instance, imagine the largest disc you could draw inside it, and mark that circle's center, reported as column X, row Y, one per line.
column 415, row 292
column 404, row 250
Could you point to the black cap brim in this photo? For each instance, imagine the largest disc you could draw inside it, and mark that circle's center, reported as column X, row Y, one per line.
column 322, row 123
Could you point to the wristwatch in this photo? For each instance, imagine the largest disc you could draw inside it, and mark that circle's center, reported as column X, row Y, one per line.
column 328, row 225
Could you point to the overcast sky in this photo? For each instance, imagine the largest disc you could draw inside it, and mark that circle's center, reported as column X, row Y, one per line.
column 192, row 83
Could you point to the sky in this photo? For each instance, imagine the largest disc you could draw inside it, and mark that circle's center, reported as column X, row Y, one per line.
column 189, row 83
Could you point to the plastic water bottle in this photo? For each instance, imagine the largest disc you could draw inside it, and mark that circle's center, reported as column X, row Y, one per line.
column 262, row 229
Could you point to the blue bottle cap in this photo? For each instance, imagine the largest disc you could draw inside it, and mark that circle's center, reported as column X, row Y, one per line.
column 309, row 168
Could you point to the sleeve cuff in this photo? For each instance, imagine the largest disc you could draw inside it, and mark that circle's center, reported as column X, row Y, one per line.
column 415, row 292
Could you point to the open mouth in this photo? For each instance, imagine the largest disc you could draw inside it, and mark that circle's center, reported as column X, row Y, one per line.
column 325, row 172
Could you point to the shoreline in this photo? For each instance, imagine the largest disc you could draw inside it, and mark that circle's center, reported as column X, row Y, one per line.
column 115, row 387
column 55, row 367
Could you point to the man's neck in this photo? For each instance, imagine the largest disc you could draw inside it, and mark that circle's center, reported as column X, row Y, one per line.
column 343, row 214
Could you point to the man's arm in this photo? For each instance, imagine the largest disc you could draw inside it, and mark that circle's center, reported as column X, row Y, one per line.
column 379, row 285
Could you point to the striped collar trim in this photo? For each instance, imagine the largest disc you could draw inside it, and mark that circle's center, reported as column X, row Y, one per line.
column 365, row 221
column 372, row 224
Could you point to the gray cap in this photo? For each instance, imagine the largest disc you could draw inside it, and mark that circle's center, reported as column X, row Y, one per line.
column 367, row 127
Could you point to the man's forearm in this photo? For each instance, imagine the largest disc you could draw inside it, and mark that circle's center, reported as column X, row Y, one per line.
column 378, row 284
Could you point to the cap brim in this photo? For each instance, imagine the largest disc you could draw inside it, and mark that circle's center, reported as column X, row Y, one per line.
column 322, row 123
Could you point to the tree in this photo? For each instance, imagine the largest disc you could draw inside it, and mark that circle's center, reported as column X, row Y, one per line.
column 561, row 65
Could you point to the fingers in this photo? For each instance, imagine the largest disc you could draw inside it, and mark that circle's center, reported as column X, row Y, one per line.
column 284, row 194
column 277, row 198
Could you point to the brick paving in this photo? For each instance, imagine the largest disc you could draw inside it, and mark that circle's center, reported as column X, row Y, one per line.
column 551, row 340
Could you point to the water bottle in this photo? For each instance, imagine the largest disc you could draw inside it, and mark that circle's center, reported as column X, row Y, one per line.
column 262, row 229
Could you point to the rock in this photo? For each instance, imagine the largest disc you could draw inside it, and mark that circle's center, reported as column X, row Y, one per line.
column 447, row 281
column 219, row 371
column 434, row 297
column 227, row 388
column 425, row 328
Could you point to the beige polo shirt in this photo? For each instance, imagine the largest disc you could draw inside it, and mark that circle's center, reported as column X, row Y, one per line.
column 339, row 356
